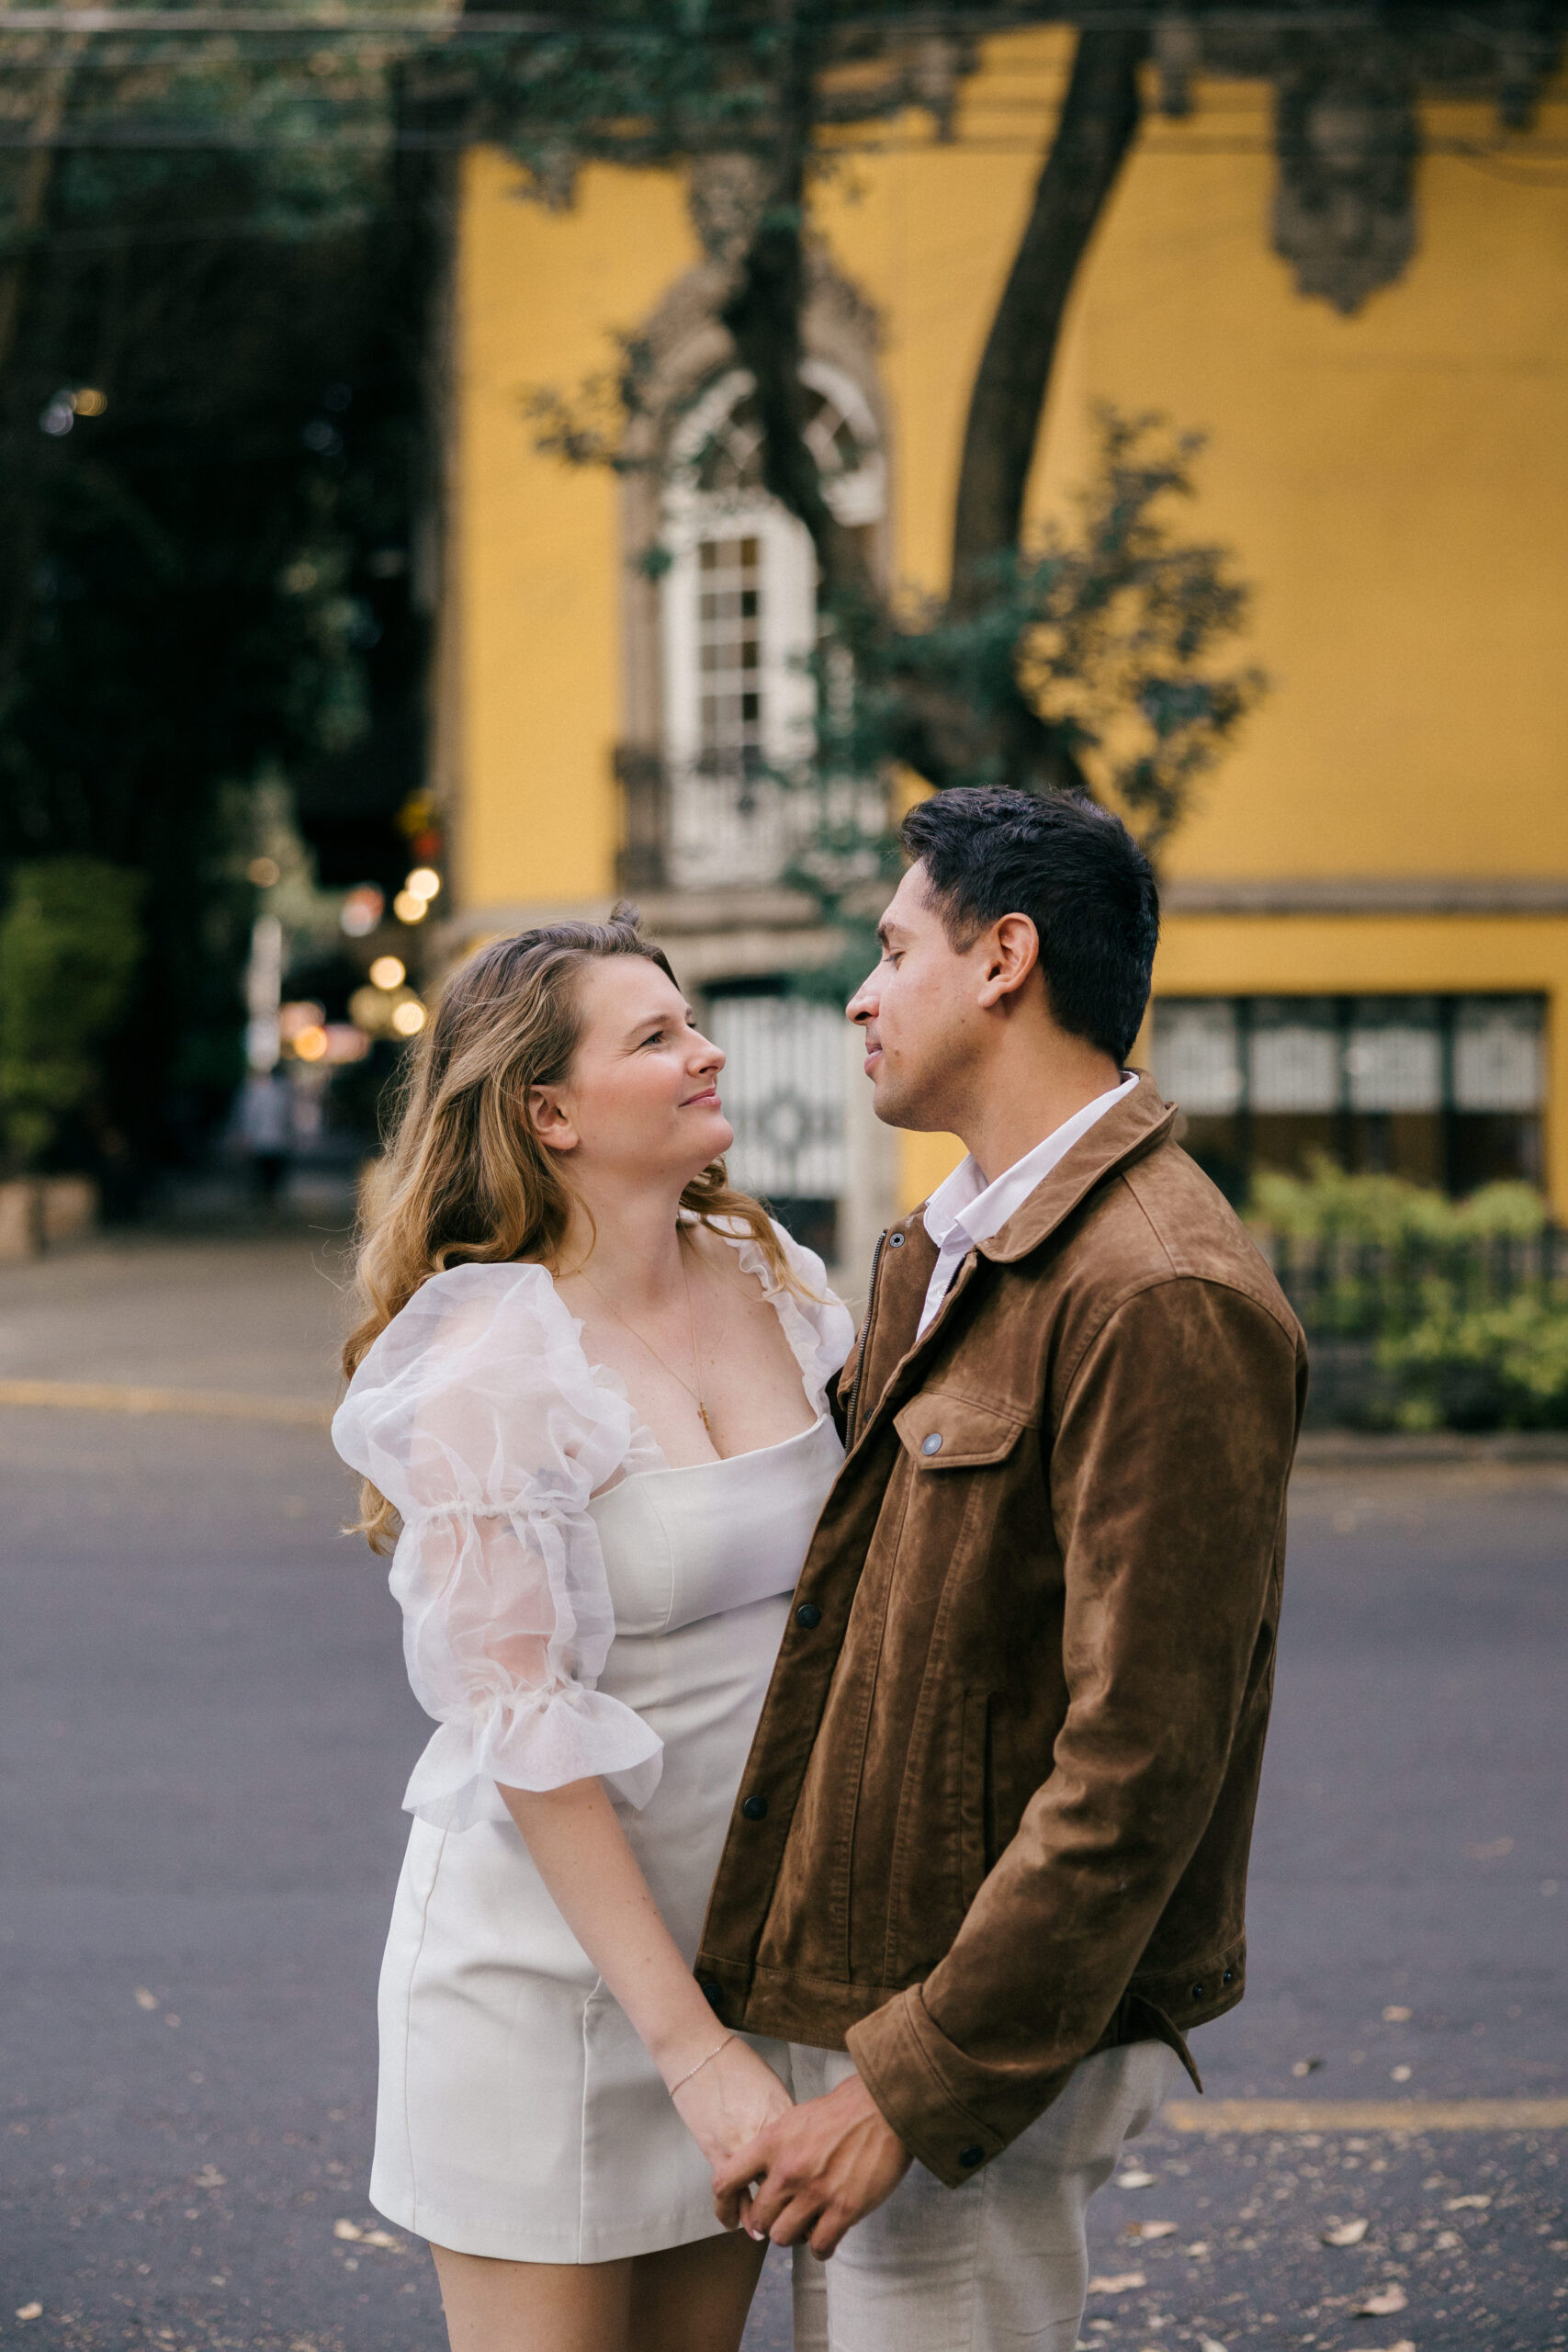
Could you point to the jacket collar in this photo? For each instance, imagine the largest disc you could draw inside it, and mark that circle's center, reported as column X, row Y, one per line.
column 1126, row 1131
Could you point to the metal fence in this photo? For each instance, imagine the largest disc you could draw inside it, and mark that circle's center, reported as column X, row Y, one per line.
column 1353, row 1289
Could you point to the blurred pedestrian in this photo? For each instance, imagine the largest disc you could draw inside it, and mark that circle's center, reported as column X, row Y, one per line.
column 266, row 1129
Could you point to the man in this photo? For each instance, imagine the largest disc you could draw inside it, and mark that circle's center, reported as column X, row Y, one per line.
column 988, row 1862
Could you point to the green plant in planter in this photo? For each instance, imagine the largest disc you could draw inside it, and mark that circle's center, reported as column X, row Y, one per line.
column 70, row 943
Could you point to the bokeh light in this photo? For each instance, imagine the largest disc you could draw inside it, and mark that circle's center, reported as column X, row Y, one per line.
column 408, row 909
column 362, row 910
column 424, row 882
column 407, row 1019
column 389, row 972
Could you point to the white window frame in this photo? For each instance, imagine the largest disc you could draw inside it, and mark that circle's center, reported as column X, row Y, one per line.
column 724, row 830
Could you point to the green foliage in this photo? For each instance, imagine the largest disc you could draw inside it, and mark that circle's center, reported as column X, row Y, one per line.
column 1454, row 1302
column 204, row 573
column 1493, row 1367
column 69, row 941
column 1110, row 632
column 1388, row 1211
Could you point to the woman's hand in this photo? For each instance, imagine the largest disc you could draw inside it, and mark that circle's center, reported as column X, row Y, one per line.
column 728, row 2102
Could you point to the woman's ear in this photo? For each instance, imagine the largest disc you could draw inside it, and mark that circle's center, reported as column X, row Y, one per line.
column 548, row 1117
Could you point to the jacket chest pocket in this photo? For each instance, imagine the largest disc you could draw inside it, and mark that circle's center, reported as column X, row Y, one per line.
column 941, row 1431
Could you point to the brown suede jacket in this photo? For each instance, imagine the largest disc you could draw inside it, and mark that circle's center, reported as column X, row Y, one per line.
column 998, row 1809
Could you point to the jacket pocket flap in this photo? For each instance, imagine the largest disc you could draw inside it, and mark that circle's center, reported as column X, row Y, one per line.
column 946, row 1432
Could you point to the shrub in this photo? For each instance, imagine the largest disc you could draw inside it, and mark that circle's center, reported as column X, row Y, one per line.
column 1388, row 1211
column 1492, row 1367
column 69, row 941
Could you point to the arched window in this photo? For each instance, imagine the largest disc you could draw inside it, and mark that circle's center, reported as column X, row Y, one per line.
column 737, row 609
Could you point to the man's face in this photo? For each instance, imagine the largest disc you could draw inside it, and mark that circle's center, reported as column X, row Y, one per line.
column 919, row 1013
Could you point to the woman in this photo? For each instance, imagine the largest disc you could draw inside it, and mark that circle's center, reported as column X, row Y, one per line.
column 591, row 1386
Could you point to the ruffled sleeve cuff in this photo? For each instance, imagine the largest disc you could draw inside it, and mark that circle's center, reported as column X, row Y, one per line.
column 544, row 1741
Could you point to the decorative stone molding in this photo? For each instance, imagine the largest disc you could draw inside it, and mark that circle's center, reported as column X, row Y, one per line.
column 1346, row 140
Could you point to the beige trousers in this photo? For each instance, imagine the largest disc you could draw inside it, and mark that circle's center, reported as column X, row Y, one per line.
column 998, row 2264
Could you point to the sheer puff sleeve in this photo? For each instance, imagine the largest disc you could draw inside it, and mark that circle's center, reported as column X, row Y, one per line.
column 478, row 1416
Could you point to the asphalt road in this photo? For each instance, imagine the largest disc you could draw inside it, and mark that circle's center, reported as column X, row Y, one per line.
column 204, row 1736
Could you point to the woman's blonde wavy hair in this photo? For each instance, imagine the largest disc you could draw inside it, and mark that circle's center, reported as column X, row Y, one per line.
column 466, row 1179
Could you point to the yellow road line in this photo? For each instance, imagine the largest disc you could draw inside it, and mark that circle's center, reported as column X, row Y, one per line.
column 107, row 1396
column 1214, row 2116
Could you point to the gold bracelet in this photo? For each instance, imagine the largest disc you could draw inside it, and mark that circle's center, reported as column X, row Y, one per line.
column 698, row 2069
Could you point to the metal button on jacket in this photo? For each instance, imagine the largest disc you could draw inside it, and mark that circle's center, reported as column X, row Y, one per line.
column 931, row 1444
column 894, row 1241
column 808, row 1615
column 755, row 1808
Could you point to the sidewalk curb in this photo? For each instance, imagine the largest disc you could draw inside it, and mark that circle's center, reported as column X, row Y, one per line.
column 1368, row 1450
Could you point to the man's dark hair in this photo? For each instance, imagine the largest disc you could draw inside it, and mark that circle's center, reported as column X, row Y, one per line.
column 1075, row 870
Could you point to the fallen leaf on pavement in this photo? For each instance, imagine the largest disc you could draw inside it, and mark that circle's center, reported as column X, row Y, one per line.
column 1493, row 1852
column 1399, row 2074
column 1149, row 2230
column 1404, row 2345
column 347, row 2230
column 1134, row 2180
column 1396, row 2016
column 1210, row 2343
column 1305, row 2067
column 1199, row 2246
column 1121, row 2285
column 1446, row 2241
column 30, row 2311
column 1379, row 2306
column 1459, row 2204
column 144, row 1998
column 378, row 2237
column 210, row 2177
column 1345, row 2233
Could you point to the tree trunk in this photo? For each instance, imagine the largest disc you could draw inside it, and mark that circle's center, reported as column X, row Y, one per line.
column 763, row 316
column 1099, row 123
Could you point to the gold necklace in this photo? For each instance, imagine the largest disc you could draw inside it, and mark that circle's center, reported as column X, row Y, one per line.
column 694, row 1394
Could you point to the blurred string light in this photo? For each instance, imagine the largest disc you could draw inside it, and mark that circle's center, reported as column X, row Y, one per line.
column 408, row 1018
column 408, row 909
column 389, row 972
column 361, row 911
column 264, row 872
column 424, row 882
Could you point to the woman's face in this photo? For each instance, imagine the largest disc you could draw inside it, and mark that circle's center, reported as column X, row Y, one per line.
column 641, row 1098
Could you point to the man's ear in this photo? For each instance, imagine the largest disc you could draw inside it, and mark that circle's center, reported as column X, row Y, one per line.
column 1009, row 952
column 548, row 1117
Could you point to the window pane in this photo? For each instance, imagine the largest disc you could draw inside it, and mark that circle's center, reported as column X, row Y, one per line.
column 1198, row 1055
column 1295, row 1055
column 1497, row 1054
column 1396, row 1055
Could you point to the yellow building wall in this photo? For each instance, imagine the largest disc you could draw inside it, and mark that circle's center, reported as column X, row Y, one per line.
column 1395, row 485
column 536, row 665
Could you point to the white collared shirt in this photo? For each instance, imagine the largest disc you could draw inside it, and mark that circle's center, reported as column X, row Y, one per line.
column 965, row 1210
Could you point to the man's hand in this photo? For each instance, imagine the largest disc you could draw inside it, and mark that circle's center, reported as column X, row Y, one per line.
column 820, row 2169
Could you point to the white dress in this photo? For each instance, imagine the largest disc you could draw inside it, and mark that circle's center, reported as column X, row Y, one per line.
column 571, row 1606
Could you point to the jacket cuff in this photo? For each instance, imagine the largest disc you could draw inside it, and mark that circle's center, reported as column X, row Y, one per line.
column 898, row 2052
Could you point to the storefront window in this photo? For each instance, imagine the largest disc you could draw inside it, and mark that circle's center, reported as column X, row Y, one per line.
column 1446, row 1091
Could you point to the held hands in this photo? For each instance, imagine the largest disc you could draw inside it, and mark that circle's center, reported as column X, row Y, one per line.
column 813, row 2172
column 728, row 2102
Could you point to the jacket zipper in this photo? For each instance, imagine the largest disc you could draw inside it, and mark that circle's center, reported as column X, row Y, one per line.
column 865, row 1340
